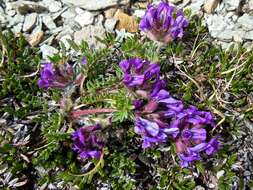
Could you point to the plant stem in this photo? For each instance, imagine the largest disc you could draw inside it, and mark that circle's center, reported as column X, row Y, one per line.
column 80, row 113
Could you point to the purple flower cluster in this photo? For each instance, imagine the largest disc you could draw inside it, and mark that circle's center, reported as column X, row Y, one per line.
column 163, row 23
column 159, row 116
column 86, row 143
column 55, row 77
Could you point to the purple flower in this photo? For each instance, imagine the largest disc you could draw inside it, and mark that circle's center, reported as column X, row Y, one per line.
column 84, row 61
column 160, row 117
column 139, row 73
column 151, row 132
column 212, row 146
column 187, row 159
column 163, row 23
column 58, row 77
column 86, row 142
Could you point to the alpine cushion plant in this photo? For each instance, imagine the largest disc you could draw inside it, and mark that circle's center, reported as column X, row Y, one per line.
column 163, row 23
column 159, row 117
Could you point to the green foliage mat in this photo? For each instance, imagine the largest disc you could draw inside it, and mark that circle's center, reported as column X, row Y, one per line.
column 35, row 144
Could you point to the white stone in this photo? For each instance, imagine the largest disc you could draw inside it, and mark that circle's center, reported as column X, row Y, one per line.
column 30, row 21
column 246, row 21
column 16, row 19
column 3, row 18
column 196, row 5
column 212, row 186
column 70, row 13
column 11, row 12
column 251, row 5
column 238, row 35
column 79, row 11
column 49, row 22
column 99, row 20
column 139, row 13
column 232, row 3
column 54, row 6
column 110, row 24
column 210, row 5
column 96, row 5
column 17, row 28
column 216, row 24
column 248, row 35
column 89, row 34
column 85, row 18
column 220, row 174
column 47, row 51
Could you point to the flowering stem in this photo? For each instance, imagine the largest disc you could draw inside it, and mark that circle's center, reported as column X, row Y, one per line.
column 80, row 113
column 93, row 170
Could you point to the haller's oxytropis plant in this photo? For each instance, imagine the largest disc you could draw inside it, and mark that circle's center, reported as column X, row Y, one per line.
column 163, row 23
column 158, row 116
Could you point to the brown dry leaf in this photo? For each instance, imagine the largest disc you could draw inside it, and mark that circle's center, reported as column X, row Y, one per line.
column 35, row 38
column 126, row 22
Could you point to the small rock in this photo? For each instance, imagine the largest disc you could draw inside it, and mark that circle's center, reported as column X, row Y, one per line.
column 238, row 35
column 246, row 21
column 16, row 20
column 89, row 34
column 251, row 5
column 110, row 24
column 24, row 7
column 99, row 20
column 30, row 21
column 210, row 5
column 96, row 5
column 176, row 1
column 54, row 6
column 79, row 11
column 234, row 4
column 85, row 18
column 17, row 28
column 36, row 38
column 139, row 13
column 3, row 18
column 126, row 22
column 72, row 24
column 220, row 174
column 247, row 173
column 216, row 24
column 199, row 188
column 69, row 13
column 47, row 51
column 110, row 12
column 11, row 12
column 248, row 36
column 210, row 185
column 49, row 22
column 196, row 5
